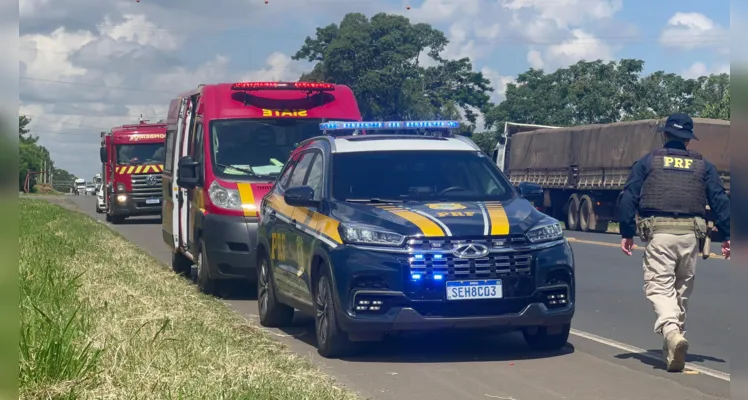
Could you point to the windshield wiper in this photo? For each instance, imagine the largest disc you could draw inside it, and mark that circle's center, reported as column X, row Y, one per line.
column 247, row 171
column 373, row 200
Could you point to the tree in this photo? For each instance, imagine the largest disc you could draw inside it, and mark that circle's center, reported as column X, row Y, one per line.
column 31, row 155
column 380, row 59
column 598, row 92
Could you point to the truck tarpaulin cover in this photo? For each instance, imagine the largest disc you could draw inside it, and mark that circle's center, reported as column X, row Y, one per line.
column 616, row 145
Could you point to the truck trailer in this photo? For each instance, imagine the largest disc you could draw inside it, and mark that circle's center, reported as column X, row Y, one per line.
column 583, row 169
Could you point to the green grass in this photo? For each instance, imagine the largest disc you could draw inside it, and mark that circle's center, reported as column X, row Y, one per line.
column 102, row 320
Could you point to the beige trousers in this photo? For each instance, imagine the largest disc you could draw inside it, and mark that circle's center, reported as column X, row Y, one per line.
column 669, row 269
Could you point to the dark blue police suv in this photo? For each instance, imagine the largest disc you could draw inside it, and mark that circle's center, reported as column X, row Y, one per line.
column 374, row 234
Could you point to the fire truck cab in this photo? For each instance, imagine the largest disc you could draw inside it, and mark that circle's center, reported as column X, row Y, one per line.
column 132, row 158
column 225, row 146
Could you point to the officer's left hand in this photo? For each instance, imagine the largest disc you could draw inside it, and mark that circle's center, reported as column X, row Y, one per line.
column 627, row 246
column 726, row 249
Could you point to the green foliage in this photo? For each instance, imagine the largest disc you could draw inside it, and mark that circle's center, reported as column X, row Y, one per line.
column 34, row 157
column 599, row 92
column 380, row 59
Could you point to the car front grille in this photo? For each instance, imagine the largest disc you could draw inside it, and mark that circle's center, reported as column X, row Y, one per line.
column 142, row 190
column 433, row 262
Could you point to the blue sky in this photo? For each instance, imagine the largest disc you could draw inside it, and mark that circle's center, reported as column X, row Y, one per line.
column 87, row 66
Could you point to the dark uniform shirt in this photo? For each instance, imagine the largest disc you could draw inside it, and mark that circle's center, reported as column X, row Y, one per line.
column 715, row 194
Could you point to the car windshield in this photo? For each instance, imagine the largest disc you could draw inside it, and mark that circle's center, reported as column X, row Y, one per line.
column 249, row 148
column 141, row 153
column 418, row 176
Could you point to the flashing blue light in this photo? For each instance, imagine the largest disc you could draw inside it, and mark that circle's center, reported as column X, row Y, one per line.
column 418, row 256
column 387, row 125
column 415, row 277
column 438, row 256
column 438, row 277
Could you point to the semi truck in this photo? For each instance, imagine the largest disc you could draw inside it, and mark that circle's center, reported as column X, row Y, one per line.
column 582, row 169
column 132, row 158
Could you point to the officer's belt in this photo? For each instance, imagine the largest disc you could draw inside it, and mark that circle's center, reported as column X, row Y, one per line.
column 672, row 225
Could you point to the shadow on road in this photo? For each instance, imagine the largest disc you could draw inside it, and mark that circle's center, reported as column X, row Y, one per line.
column 436, row 347
column 647, row 359
column 140, row 221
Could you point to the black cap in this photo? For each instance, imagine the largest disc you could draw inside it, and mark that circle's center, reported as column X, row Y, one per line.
column 679, row 125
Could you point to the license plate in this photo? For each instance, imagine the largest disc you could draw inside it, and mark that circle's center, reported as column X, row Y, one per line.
column 152, row 201
column 471, row 290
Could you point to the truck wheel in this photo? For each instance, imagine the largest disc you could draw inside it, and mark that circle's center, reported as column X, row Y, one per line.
column 180, row 264
column 539, row 339
column 572, row 213
column 117, row 219
column 588, row 220
column 108, row 217
column 204, row 282
column 272, row 313
column 331, row 340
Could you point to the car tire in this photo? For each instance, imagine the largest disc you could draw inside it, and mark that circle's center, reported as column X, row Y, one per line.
column 541, row 340
column 205, row 283
column 273, row 314
column 331, row 340
column 116, row 219
column 180, row 264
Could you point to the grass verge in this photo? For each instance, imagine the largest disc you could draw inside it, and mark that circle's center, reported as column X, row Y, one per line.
column 102, row 320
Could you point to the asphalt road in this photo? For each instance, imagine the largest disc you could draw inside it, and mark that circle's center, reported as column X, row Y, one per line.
column 604, row 359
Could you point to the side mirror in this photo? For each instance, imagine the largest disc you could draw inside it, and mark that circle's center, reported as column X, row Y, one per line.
column 103, row 155
column 530, row 191
column 300, row 196
column 187, row 175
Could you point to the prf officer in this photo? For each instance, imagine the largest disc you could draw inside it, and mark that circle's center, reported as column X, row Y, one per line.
column 670, row 188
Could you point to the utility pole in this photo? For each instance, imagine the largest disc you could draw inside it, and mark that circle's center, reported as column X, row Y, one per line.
column 44, row 166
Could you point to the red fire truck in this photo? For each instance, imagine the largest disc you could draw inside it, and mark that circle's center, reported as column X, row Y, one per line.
column 226, row 145
column 132, row 158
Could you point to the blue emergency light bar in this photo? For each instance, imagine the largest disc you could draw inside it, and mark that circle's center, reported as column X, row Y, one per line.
column 387, row 125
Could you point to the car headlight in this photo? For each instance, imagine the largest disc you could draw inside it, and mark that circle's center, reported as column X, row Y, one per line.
column 223, row 197
column 370, row 235
column 545, row 232
column 120, row 187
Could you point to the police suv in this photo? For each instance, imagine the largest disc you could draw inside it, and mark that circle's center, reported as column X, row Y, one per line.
column 379, row 233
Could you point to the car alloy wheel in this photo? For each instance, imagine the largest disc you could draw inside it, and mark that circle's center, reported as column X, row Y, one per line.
column 264, row 284
column 322, row 310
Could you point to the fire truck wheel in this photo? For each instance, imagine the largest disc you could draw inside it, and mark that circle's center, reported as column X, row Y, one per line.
column 204, row 282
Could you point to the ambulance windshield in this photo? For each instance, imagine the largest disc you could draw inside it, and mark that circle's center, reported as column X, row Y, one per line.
column 250, row 148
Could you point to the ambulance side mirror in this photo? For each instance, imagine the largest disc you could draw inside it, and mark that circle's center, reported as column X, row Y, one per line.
column 103, row 155
column 532, row 192
column 187, row 175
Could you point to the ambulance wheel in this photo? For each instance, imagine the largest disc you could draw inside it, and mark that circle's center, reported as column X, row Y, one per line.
column 180, row 264
column 538, row 338
column 331, row 340
column 205, row 283
column 272, row 313
column 572, row 213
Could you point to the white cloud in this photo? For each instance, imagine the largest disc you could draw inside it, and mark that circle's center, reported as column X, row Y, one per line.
column 498, row 82
column 76, row 83
column 699, row 69
column 567, row 13
column 689, row 31
column 583, row 46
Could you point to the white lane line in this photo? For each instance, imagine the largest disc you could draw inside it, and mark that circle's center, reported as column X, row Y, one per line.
column 654, row 356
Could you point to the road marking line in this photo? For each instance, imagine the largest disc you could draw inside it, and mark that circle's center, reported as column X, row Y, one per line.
column 654, row 356
column 636, row 247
